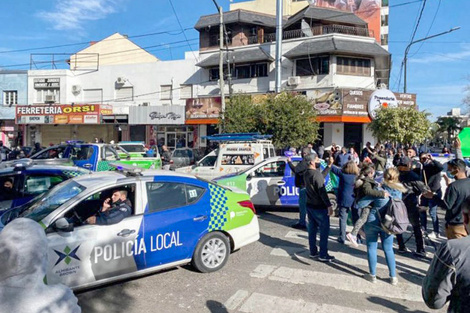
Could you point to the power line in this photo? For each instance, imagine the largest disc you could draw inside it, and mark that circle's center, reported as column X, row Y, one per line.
column 181, row 26
column 418, row 21
column 429, row 30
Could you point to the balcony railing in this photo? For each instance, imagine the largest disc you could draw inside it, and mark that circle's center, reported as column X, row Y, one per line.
column 316, row 31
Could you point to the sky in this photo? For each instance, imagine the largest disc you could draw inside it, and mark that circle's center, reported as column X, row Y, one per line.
column 438, row 69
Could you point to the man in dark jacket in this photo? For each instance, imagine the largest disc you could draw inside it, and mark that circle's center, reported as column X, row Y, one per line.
column 431, row 174
column 319, row 209
column 166, row 158
column 299, row 171
column 342, row 157
column 448, row 277
column 415, row 188
column 114, row 210
column 456, row 198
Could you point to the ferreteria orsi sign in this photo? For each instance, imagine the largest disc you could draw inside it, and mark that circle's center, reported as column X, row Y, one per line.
column 45, row 110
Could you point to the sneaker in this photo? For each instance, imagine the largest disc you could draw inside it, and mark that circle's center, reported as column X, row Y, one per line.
column 299, row 226
column 420, row 254
column 327, row 259
column 370, row 278
column 403, row 250
column 393, row 281
column 341, row 241
column 313, row 256
column 352, row 239
column 433, row 235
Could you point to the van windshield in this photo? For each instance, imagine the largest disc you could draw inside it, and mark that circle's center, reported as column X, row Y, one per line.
column 209, row 160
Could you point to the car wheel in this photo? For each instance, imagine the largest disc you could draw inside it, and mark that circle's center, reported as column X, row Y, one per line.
column 211, row 253
column 333, row 202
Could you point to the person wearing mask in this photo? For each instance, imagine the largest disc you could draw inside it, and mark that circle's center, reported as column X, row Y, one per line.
column 114, row 210
column 457, row 197
column 431, row 175
column 166, row 158
column 448, row 277
column 373, row 227
column 365, row 151
column 415, row 187
column 347, row 177
column 319, row 209
column 8, row 190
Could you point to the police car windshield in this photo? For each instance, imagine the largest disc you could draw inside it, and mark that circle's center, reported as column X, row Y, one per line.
column 51, row 200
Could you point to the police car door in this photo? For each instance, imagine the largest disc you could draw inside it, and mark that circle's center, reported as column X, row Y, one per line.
column 266, row 184
column 176, row 216
column 85, row 156
column 91, row 253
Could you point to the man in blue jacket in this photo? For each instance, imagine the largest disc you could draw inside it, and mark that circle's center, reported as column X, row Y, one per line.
column 114, row 210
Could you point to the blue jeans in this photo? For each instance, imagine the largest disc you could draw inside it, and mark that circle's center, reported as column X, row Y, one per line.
column 318, row 219
column 432, row 211
column 302, row 206
column 373, row 230
column 343, row 218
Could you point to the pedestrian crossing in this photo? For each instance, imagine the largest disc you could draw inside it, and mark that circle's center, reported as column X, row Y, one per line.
column 309, row 274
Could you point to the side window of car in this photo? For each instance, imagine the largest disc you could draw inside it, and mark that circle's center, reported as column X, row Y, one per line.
column 194, row 193
column 273, row 169
column 167, row 195
column 208, row 161
column 37, row 184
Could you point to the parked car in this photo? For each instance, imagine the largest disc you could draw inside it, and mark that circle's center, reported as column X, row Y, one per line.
column 182, row 157
column 176, row 219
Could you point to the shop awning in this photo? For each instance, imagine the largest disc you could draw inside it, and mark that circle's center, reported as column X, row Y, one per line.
column 238, row 56
column 7, row 113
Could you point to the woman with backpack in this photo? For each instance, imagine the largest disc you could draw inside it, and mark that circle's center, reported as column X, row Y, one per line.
column 373, row 227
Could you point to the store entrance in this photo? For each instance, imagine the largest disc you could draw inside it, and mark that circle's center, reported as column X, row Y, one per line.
column 353, row 136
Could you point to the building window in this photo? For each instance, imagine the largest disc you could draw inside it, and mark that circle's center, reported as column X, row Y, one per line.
column 124, row 94
column 353, row 66
column 384, row 20
column 384, row 3
column 93, row 95
column 312, row 66
column 251, row 71
column 46, row 94
column 243, row 71
column 186, row 91
column 10, row 97
column 384, row 39
column 166, row 92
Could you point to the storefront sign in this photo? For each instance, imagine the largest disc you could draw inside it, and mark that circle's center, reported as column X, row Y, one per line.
column 381, row 98
column 406, row 99
column 61, row 114
column 203, row 108
column 327, row 102
column 46, row 83
column 156, row 115
column 355, row 102
column 7, row 129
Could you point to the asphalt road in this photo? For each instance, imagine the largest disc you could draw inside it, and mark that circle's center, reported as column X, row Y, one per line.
column 272, row 275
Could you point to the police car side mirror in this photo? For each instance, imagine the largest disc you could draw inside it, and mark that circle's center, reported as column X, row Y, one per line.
column 62, row 225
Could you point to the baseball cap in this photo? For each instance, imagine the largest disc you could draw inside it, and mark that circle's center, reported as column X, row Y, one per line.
column 404, row 161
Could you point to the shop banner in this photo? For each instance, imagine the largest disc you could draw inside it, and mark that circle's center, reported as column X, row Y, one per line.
column 62, row 114
column 327, row 102
column 355, row 102
column 157, row 115
column 406, row 99
column 203, row 108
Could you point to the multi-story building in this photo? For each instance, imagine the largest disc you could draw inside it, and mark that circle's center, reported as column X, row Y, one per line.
column 334, row 59
column 13, row 91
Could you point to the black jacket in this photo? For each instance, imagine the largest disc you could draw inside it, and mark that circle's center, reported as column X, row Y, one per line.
column 414, row 187
column 299, row 171
column 448, row 277
column 457, row 196
column 317, row 197
column 116, row 213
column 432, row 172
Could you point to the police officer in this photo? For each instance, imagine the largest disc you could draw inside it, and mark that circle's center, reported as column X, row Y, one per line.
column 114, row 210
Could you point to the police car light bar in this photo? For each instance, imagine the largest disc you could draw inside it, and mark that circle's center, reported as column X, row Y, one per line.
column 72, row 142
column 238, row 137
column 128, row 170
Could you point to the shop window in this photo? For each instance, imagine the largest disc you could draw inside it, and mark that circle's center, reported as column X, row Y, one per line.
column 10, row 97
column 166, row 92
column 353, row 66
column 312, row 66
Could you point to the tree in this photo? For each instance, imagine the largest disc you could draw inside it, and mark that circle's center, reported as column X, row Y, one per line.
column 291, row 119
column 401, row 125
column 450, row 125
column 240, row 116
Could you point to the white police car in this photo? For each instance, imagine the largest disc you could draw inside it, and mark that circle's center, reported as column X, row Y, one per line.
column 176, row 219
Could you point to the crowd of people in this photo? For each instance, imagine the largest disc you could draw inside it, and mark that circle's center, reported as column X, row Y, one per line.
column 368, row 186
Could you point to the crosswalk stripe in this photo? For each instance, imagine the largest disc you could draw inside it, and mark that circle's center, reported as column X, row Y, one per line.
column 261, row 303
column 350, row 283
column 236, row 299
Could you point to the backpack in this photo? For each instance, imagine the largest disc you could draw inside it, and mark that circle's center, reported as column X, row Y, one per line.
column 394, row 217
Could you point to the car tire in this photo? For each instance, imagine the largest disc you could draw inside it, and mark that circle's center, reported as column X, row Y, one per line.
column 211, row 253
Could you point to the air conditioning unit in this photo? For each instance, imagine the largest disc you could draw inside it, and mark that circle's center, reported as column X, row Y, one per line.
column 146, row 104
column 49, row 99
column 76, row 88
column 293, row 80
column 121, row 80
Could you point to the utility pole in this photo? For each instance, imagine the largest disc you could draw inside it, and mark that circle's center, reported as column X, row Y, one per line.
column 221, row 56
column 278, row 45
column 405, row 59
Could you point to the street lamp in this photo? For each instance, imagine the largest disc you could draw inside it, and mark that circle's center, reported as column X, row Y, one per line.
column 419, row 40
